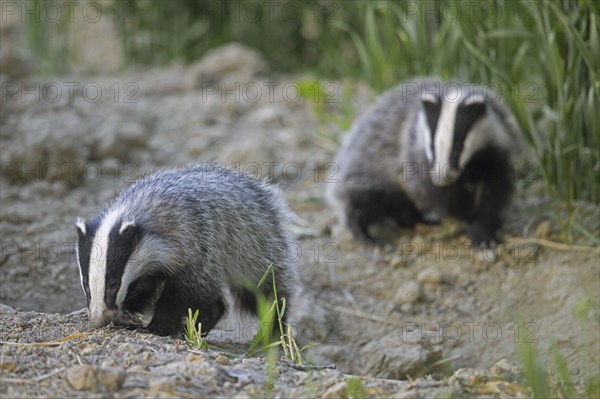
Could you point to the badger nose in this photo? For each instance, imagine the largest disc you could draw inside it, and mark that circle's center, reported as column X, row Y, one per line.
column 451, row 174
column 102, row 318
column 445, row 176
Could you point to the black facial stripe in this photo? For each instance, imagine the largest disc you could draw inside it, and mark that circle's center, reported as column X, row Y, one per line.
column 120, row 248
column 141, row 292
column 84, row 251
column 432, row 113
column 466, row 116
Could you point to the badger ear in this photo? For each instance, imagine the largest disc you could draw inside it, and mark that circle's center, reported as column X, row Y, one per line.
column 126, row 227
column 475, row 105
column 430, row 98
column 475, row 99
column 80, row 226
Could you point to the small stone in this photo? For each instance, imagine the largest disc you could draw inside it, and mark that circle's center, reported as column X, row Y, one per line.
column 543, row 229
column 194, row 358
column 82, row 378
column 108, row 363
column 397, row 262
column 6, row 309
column 409, row 292
column 406, row 308
column 430, row 275
column 468, row 376
column 222, row 360
column 165, row 385
column 111, row 379
column 231, row 62
column 397, row 354
column 86, row 378
column 8, row 363
column 419, row 242
column 507, row 370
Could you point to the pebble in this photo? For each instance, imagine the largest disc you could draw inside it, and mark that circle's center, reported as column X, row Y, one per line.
column 194, row 358
column 222, row 360
column 467, row 376
column 397, row 354
column 507, row 370
column 409, row 292
column 6, row 309
column 8, row 364
column 166, row 385
column 86, row 378
column 430, row 275
column 397, row 261
column 543, row 229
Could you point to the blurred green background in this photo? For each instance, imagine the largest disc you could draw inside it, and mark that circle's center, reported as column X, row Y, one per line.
column 543, row 55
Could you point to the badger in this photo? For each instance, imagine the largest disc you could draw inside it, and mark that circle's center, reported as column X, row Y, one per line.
column 184, row 238
column 427, row 149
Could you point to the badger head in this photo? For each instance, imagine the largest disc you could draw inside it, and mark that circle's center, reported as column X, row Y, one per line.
column 460, row 121
column 113, row 254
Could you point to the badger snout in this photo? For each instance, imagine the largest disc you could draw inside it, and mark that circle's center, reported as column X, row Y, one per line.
column 444, row 176
column 101, row 318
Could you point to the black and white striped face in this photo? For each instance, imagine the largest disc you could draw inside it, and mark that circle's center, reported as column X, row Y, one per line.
column 104, row 249
column 453, row 119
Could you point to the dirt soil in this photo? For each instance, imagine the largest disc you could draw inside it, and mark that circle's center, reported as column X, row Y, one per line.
column 409, row 318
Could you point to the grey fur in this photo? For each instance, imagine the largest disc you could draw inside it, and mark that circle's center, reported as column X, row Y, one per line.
column 208, row 230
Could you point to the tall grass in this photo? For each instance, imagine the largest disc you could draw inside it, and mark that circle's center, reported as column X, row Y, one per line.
column 544, row 56
column 164, row 30
column 47, row 38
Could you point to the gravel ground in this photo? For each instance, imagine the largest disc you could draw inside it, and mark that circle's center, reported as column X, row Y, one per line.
column 54, row 355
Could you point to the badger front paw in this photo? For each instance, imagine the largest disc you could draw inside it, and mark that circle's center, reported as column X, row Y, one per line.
column 482, row 237
column 484, row 242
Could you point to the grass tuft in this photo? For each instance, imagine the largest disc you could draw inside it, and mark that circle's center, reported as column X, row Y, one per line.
column 270, row 313
column 193, row 331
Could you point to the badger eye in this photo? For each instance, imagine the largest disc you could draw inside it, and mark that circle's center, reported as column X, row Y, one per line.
column 114, row 285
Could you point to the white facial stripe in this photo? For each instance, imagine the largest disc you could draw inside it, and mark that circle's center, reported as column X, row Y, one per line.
column 444, row 133
column 442, row 174
column 79, row 264
column 424, row 136
column 80, row 224
column 97, row 270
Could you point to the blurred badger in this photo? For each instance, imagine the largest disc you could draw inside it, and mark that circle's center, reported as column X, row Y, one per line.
column 427, row 146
